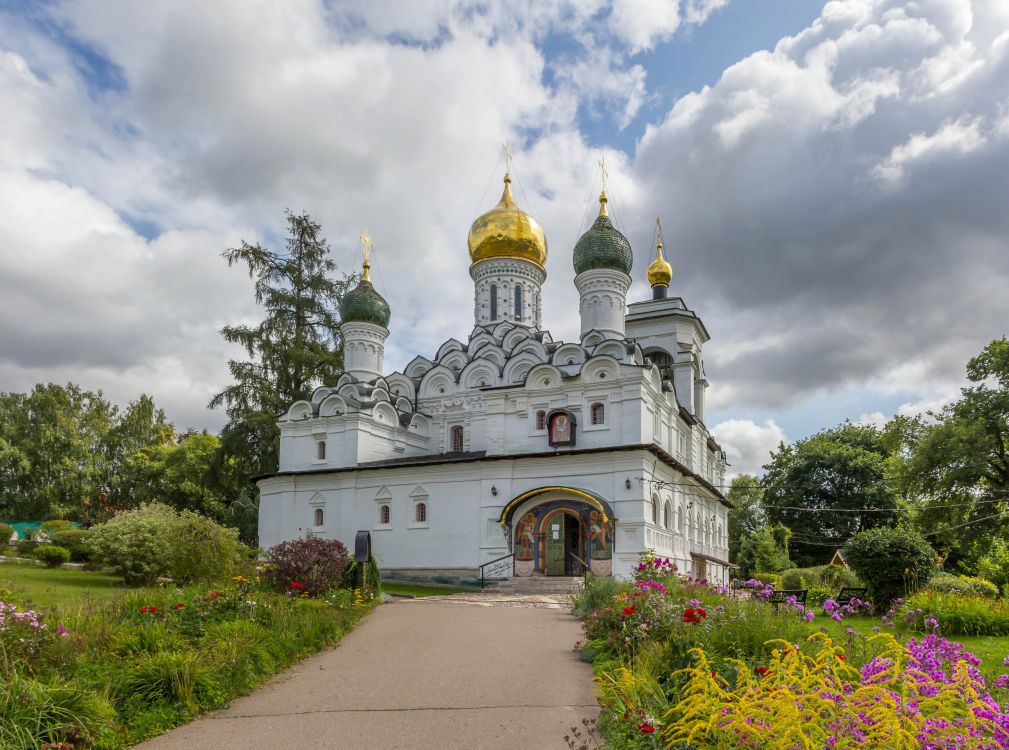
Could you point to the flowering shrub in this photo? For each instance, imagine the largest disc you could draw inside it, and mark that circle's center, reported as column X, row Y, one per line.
column 856, row 606
column 651, row 567
column 317, row 564
column 926, row 695
column 23, row 632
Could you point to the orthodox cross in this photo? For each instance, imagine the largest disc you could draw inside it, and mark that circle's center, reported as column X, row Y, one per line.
column 602, row 170
column 366, row 246
column 658, row 228
column 507, row 156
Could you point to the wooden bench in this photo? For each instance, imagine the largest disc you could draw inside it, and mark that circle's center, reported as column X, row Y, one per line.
column 848, row 593
column 778, row 598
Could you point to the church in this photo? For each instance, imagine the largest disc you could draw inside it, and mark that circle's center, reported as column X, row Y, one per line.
column 547, row 458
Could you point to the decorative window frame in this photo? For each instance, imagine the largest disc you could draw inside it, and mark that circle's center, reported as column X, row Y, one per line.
column 417, row 496
column 591, row 401
column 316, row 503
column 533, row 411
column 383, row 497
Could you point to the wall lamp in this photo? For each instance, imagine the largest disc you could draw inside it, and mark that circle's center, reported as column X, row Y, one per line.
column 627, row 483
column 493, row 490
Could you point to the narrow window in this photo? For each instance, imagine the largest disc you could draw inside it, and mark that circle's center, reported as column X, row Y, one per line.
column 655, row 510
column 679, row 519
column 320, row 450
column 384, row 516
column 541, row 420
column 457, row 441
column 493, row 302
column 420, row 513
column 667, row 516
column 518, row 302
column 598, row 414
column 318, row 516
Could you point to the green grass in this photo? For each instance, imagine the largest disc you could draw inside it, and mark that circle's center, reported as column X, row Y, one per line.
column 46, row 587
column 415, row 590
column 991, row 650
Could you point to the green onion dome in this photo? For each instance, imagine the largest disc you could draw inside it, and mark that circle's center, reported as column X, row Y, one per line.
column 363, row 304
column 602, row 246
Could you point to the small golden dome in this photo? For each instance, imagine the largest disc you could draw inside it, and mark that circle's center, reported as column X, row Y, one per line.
column 507, row 232
column 660, row 273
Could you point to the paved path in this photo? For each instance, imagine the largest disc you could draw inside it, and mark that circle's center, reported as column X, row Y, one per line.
column 469, row 671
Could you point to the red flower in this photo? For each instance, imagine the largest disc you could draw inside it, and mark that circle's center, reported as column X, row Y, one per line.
column 840, row 656
column 760, row 670
column 701, row 612
column 148, row 610
column 296, row 585
column 215, row 594
column 180, row 605
column 693, row 616
column 646, row 728
column 629, row 610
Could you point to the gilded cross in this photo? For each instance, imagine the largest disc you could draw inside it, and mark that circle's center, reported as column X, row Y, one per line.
column 602, row 170
column 508, row 157
column 658, row 228
column 366, row 244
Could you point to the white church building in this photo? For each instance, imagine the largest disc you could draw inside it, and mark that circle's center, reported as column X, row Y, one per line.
column 546, row 456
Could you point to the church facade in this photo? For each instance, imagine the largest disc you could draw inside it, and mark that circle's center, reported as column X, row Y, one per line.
column 550, row 457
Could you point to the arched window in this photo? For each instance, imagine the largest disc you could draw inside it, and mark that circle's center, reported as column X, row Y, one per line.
column 457, row 439
column 667, row 516
column 679, row 518
column 541, row 420
column 420, row 513
column 518, row 302
column 654, row 511
column 598, row 413
column 318, row 516
column 493, row 301
column 384, row 515
column 320, row 450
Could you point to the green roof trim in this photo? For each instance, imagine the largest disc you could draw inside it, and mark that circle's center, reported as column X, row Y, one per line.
column 602, row 246
column 363, row 304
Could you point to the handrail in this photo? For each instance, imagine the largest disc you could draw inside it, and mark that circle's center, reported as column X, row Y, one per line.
column 585, row 565
column 489, row 563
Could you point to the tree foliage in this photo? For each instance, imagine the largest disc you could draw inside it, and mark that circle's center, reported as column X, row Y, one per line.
column 828, row 487
column 295, row 348
column 891, row 562
column 765, row 551
column 959, row 467
column 747, row 514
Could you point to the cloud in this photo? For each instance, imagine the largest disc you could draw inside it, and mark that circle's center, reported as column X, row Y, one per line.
column 748, row 445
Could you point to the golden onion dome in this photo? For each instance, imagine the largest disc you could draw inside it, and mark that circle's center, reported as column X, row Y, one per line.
column 506, row 231
column 660, row 273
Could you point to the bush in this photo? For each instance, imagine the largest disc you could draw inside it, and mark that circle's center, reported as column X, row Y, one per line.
column 771, row 579
column 53, row 714
column 598, row 592
column 316, row 564
column 52, row 555
column 834, row 577
column 958, row 613
column 980, row 586
column 6, row 532
column 25, row 548
column 891, row 562
column 75, row 540
column 137, row 544
column 51, row 527
column 204, row 550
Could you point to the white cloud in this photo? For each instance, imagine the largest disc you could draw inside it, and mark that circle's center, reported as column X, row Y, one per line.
column 748, row 445
column 954, row 138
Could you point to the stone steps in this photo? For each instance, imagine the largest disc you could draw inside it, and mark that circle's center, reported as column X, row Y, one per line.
column 545, row 585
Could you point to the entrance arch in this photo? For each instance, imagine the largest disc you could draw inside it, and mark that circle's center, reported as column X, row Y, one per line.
column 556, row 531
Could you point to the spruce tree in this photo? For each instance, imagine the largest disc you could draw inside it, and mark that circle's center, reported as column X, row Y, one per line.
column 293, row 350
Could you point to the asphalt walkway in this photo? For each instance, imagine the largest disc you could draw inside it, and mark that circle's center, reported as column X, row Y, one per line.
column 471, row 671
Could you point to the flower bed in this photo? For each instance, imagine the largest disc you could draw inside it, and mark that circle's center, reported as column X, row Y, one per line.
column 684, row 664
column 107, row 674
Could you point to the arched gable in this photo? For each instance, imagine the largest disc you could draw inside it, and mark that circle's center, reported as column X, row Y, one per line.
column 478, row 341
column 452, row 345
column 492, row 353
column 513, row 337
column 344, row 379
column 333, row 406
column 599, row 368
column 420, row 425
column 417, row 367
column 401, row 385
column 479, row 373
column 350, row 394
column 320, row 393
column 543, row 376
column 385, row 414
column 593, row 338
column 568, row 354
column 534, row 346
column 299, row 410
column 438, row 381
column 516, row 368
column 503, row 329
column 403, row 405
column 615, row 349
column 455, row 360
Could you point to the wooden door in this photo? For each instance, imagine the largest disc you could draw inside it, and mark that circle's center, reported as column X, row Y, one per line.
column 556, row 549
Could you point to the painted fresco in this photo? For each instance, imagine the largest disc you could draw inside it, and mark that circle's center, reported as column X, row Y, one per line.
column 601, row 536
column 524, row 537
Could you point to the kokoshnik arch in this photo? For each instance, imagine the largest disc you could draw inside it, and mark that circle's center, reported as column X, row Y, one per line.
column 513, row 443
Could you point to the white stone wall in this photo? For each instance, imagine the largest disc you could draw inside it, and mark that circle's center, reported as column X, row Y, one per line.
column 363, row 349
column 501, row 276
column 603, row 301
column 462, row 527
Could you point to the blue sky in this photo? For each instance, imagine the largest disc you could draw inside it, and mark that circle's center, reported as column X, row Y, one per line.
column 831, row 178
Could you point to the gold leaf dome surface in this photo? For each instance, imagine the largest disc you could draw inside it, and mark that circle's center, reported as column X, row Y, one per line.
column 660, row 273
column 506, row 231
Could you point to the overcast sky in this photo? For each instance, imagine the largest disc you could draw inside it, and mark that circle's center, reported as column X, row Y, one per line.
column 833, row 181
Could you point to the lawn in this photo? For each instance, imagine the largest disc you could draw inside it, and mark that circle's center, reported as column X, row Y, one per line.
column 409, row 589
column 45, row 587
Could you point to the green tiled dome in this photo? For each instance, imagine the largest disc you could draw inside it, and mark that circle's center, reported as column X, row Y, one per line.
column 602, row 246
column 363, row 304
